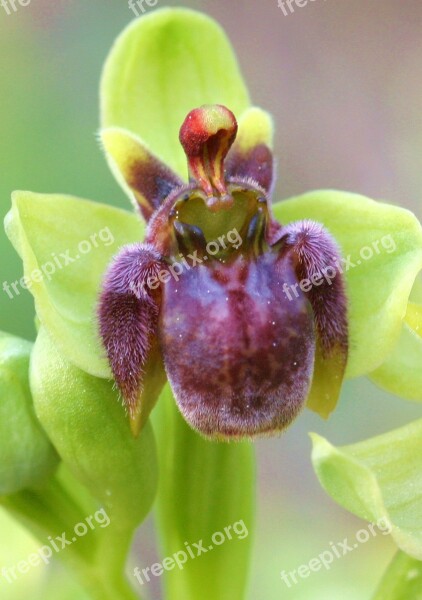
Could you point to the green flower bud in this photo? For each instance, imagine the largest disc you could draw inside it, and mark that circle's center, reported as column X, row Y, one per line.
column 92, row 435
column 27, row 457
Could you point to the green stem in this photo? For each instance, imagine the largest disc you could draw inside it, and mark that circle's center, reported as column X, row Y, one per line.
column 98, row 559
column 402, row 580
column 101, row 587
column 111, row 555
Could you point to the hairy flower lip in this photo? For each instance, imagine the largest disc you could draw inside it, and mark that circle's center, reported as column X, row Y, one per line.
column 236, row 334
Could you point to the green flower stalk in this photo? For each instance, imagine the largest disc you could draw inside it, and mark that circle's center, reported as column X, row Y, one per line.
column 80, row 453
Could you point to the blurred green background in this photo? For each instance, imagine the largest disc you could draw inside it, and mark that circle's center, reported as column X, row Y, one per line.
column 344, row 84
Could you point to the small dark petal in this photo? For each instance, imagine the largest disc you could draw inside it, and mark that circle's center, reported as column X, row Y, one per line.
column 238, row 354
column 150, row 180
column 254, row 163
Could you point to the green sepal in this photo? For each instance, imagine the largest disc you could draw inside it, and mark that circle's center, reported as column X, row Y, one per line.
column 401, row 373
column 161, row 67
column 51, row 233
column 380, row 478
column 378, row 287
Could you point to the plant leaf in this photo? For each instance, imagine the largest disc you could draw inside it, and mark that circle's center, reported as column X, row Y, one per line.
column 204, row 487
column 27, row 456
column 380, row 478
column 91, row 433
column 401, row 373
column 162, row 66
column 378, row 287
column 49, row 231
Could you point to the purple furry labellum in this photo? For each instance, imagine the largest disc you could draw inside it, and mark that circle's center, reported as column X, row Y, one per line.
column 213, row 299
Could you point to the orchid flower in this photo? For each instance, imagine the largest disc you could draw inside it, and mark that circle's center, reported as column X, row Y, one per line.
column 238, row 348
